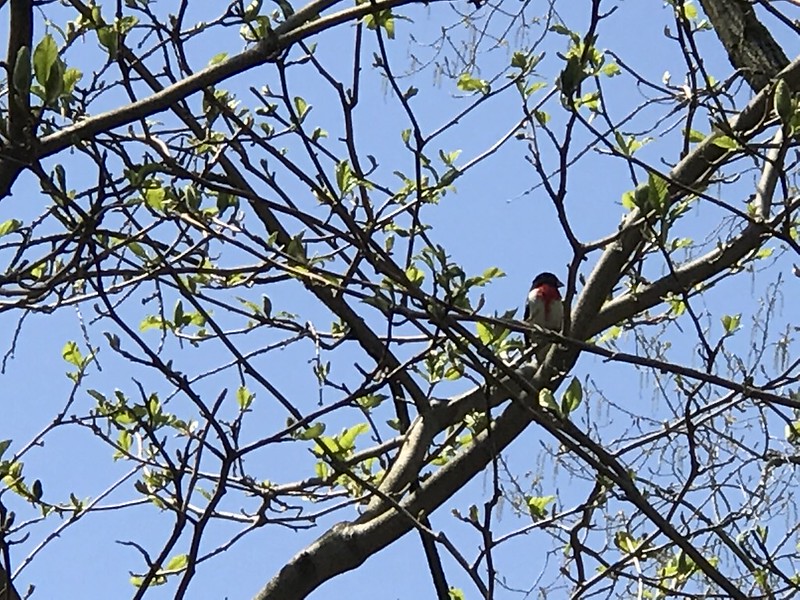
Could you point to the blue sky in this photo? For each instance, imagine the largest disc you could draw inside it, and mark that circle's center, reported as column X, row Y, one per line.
column 495, row 218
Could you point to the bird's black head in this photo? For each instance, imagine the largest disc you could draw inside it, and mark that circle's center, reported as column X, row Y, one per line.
column 546, row 279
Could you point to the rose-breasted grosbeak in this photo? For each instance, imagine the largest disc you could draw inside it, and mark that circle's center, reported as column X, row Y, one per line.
column 543, row 308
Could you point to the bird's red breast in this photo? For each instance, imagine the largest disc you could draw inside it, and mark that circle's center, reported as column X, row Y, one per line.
column 547, row 293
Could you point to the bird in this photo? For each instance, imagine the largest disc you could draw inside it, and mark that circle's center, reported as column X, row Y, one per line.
column 543, row 308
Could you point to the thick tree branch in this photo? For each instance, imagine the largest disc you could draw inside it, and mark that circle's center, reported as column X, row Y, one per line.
column 690, row 173
column 687, row 276
column 7, row 591
column 13, row 154
column 722, row 258
column 749, row 44
column 349, row 544
column 359, row 329
column 300, row 25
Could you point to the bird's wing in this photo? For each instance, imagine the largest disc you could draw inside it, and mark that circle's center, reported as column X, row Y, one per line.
column 534, row 309
column 534, row 314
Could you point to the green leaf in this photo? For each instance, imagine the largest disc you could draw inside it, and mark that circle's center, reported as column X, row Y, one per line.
column 345, row 179
column 38, row 270
column 225, row 201
column 726, row 142
column 55, row 82
column 151, row 322
column 610, row 70
column 415, row 275
column 591, row 100
column 468, row 83
column 22, row 71
column 252, row 10
column 383, row 18
column 563, row 30
column 696, row 136
column 348, row 438
column 9, row 226
column 657, row 189
column 318, row 133
column 534, row 87
column 138, row 250
column 44, row 57
column 301, row 108
column 572, row 76
column 124, row 441
column 4, row 444
column 454, row 372
column 449, row 177
column 519, row 60
column 71, row 77
column 622, row 143
column 108, row 38
column 546, row 400
column 541, row 116
column 217, row 59
column 676, row 305
column 125, row 24
column 782, row 100
column 492, row 273
column 730, row 323
column 371, row 401
column 537, row 505
column 309, row 433
column 321, row 470
column 177, row 563
column 178, row 315
column 456, row 594
column 72, row 354
column 485, row 333
column 37, row 491
column 258, row 28
column 296, row 250
column 155, row 196
column 191, row 197
column 629, row 200
column 626, row 542
column 449, row 158
column 473, row 513
column 572, row 397
column 792, row 432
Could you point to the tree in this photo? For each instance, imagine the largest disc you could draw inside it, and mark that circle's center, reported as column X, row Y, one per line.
column 277, row 284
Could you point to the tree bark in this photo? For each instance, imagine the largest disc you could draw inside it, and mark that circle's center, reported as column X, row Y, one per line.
column 749, row 44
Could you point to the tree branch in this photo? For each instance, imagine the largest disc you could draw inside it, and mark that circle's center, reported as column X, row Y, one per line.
column 13, row 156
column 349, row 544
column 750, row 46
column 298, row 26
